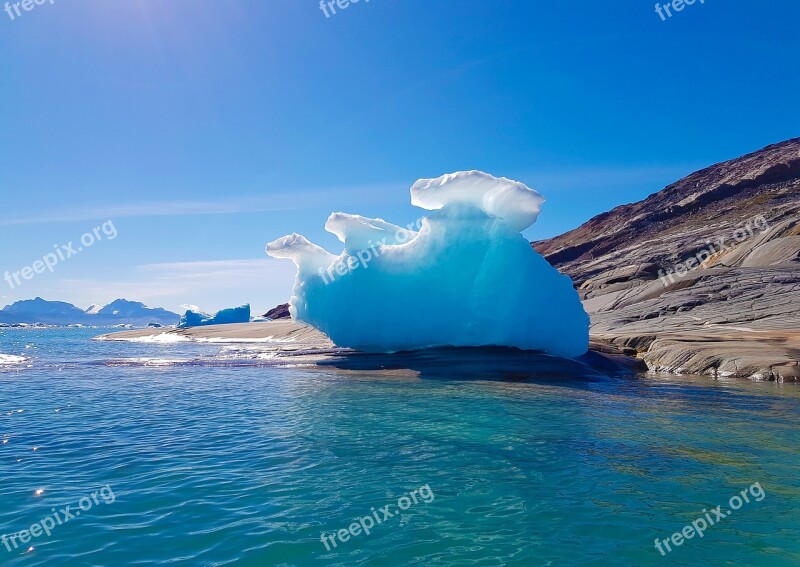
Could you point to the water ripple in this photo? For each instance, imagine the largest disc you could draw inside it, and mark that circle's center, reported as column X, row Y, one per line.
column 249, row 463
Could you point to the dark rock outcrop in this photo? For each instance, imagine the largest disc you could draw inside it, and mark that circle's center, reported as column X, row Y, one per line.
column 279, row 312
column 703, row 276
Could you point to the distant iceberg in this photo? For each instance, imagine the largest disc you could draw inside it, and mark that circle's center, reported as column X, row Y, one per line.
column 462, row 276
column 198, row 318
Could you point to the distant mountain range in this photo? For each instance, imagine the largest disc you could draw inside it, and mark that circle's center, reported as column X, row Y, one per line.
column 119, row 312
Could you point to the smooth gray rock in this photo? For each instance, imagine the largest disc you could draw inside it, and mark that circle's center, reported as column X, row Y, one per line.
column 703, row 276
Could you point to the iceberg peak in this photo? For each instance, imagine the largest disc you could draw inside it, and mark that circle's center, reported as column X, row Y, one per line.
column 359, row 233
column 307, row 256
column 512, row 201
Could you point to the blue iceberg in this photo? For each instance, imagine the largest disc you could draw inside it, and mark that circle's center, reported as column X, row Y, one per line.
column 461, row 276
column 223, row 317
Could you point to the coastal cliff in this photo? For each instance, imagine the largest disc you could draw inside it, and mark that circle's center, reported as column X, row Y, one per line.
column 703, row 276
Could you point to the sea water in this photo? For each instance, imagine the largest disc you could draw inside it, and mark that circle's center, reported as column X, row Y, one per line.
column 214, row 454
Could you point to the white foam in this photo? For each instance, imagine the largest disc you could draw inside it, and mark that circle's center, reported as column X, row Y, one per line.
column 163, row 338
column 269, row 339
column 147, row 361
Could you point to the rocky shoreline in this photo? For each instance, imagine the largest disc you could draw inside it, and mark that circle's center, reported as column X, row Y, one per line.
column 702, row 277
column 298, row 343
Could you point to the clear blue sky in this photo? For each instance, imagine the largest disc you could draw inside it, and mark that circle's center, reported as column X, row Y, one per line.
column 205, row 129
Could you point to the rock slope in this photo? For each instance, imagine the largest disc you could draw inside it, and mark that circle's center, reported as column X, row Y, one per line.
column 703, row 276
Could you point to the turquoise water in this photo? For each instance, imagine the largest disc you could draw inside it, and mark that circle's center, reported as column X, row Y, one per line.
column 216, row 456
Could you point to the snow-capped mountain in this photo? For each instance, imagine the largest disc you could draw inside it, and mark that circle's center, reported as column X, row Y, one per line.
column 93, row 309
column 120, row 311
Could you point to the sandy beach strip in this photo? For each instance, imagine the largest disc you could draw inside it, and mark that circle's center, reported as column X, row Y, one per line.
column 285, row 332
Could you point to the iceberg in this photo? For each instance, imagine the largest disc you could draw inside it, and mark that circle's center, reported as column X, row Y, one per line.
column 461, row 276
column 226, row 316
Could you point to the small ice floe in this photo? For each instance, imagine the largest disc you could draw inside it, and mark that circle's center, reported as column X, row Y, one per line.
column 269, row 339
column 147, row 361
column 163, row 338
column 252, row 352
column 11, row 359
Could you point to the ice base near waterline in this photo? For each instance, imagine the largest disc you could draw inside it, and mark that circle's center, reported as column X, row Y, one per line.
column 465, row 277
